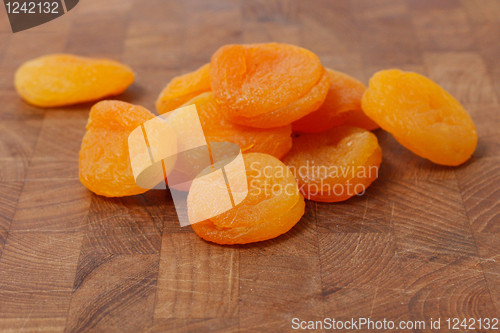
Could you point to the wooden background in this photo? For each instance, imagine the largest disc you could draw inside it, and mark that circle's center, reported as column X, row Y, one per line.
column 422, row 243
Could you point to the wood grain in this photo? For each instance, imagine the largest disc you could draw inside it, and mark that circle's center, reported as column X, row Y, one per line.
column 51, row 205
column 37, row 271
column 275, row 288
column 106, row 301
column 196, row 279
column 442, row 27
column 422, row 242
column 454, row 290
column 9, row 197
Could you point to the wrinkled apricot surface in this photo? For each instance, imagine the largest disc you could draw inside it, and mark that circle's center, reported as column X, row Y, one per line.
column 104, row 165
column 308, row 103
column 249, row 80
column 272, row 207
column 273, row 141
column 343, row 98
column 336, row 164
column 421, row 115
column 64, row 79
column 183, row 88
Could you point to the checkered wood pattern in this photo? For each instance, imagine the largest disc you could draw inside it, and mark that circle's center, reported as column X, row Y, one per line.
column 424, row 241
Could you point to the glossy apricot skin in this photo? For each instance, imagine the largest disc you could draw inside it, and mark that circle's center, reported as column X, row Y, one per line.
column 336, row 164
column 217, row 128
column 265, row 213
column 421, row 115
column 104, row 164
column 343, row 99
column 249, row 80
column 183, row 88
column 64, row 79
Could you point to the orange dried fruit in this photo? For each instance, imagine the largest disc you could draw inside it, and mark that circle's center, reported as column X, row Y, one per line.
column 336, row 164
column 342, row 100
column 250, row 80
column 104, row 165
column 358, row 118
column 183, row 88
column 244, row 235
column 272, row 207
column 64, row 79
column 421, row 115
column 308, row 103
column 273, row 141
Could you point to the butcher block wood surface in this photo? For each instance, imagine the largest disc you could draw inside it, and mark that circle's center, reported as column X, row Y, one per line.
column 422, row 243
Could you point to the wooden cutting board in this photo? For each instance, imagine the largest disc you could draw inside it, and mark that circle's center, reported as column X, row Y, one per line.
column 422, row 243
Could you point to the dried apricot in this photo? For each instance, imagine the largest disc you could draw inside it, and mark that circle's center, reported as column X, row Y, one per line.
column 272, row 206
column 308, row 103
column 273, row 141
column 183, row 88
column 64, row 79
column 343, row 98
column 336, row 164
column 104, row 166
column 421, row 115
column 358, row 118
column 250, row 80
column 193, row 153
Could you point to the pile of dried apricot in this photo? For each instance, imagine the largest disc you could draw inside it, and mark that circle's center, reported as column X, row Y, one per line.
column 273, row 101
